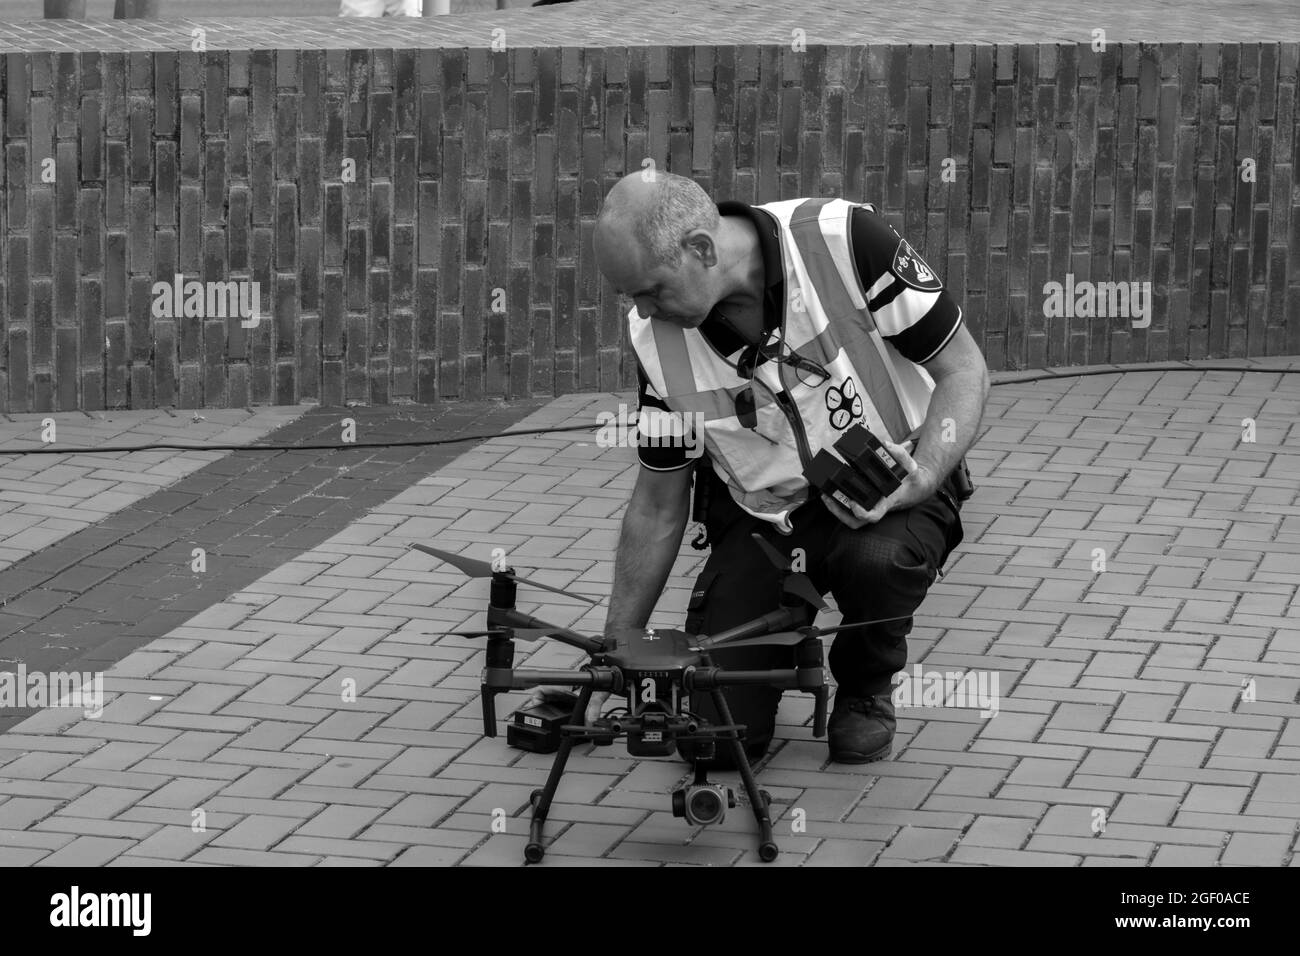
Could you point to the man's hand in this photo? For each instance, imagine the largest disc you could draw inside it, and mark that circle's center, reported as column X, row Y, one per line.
column 919, row 485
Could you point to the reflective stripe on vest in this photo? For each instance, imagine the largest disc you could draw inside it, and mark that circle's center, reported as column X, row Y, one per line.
column 825, row 319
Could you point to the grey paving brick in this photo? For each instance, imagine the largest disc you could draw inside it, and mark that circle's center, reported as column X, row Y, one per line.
column 231, row 856
column 88, row 851
column 264, row 782
column 211, row 818
column 38, row 766
column 1255, row 849
column 173, row 842
column 921, row 843
column 183, row 794
column 327, row 846
column 18, row 813
column 419, row 810
column 441, row 836
column 432, row 856
column 998, row 857
column 55, row 789
column 1103, row 845
column 341, row 822
column 1186, row 856
column 35, row 839
column 342, row 795
column 90, row 826
column 256, row 832
column 21, row 856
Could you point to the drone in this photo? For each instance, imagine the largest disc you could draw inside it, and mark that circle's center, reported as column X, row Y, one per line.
column 657, row 670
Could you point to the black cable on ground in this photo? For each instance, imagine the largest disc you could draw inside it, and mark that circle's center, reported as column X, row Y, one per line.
column 430, row 442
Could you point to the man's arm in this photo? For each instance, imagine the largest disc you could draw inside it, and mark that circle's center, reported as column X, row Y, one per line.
column 915, row 314
column 648, row 543
column 961, row 387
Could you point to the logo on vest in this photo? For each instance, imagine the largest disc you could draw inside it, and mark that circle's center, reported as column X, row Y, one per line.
column 844, row 403
column 912, row 269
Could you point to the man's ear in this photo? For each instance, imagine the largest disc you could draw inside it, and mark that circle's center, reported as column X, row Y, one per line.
column 701, row 244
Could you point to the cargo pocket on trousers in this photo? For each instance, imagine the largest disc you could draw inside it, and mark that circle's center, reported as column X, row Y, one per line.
column 928, row 529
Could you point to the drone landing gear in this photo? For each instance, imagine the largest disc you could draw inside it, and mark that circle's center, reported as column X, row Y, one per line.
column 759, row 800
column 541, row 799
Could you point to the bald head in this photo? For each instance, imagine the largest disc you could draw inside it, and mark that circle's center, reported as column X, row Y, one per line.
column 658, row 239
column 648, row 214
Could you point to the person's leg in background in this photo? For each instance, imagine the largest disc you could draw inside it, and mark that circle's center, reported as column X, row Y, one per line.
column 403, row 8
column 883, row 570
column 362, row 8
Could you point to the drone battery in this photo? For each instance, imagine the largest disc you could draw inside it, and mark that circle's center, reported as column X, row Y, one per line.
column 537, row 728
column 872, row 460
column 838, row 480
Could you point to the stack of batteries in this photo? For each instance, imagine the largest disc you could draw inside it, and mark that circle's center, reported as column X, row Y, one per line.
column 864, row 473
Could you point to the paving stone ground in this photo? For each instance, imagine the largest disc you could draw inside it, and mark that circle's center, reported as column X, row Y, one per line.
column 45, row 498
column 85, row 602
column 1148, row 712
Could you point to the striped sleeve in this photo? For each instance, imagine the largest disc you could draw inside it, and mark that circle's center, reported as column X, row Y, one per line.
column 911, row 308
column 655, row 418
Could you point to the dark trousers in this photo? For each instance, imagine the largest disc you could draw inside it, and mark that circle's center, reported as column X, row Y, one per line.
column 881, row 570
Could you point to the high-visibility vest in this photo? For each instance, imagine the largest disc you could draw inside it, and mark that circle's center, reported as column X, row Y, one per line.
column 825, row 319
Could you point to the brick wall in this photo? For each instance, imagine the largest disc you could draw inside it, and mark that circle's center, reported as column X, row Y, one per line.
column 478, row 175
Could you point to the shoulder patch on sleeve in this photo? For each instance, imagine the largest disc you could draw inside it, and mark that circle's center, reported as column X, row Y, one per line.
column 912, row 269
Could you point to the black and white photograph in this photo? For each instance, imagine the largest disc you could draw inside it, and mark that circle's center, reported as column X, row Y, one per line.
column 510, row 435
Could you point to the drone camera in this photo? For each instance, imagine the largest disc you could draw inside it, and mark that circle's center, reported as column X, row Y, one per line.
column 703, row 804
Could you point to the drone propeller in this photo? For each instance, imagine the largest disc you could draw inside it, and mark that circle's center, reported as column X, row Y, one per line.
column 778, row 639
column 528, row 634
column 791, row 638
column 795, row 583
column 481, row 569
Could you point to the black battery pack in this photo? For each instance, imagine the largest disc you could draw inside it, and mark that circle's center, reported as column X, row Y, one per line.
column 838, row 480
column 872, row 460
column 537, row 728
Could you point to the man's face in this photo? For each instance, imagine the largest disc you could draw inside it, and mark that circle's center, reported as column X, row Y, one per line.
column 681, row 295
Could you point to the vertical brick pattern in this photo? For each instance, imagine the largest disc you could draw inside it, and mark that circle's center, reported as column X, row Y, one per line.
column 419, row 221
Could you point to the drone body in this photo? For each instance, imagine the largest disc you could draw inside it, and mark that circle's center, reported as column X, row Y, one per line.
column 657, row 670
column 653, row 663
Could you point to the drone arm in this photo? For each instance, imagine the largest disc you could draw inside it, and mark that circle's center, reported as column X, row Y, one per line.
column 499, row 679
column 509, row 617
column 597, row 678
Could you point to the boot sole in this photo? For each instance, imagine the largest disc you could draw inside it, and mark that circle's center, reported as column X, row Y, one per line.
column 856, row 758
